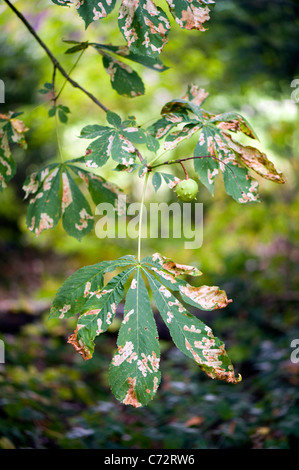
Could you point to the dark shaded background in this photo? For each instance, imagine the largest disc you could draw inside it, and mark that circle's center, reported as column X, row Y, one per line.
column 49, row 397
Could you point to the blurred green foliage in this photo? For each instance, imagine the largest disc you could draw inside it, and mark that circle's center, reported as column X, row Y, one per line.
column 49, row 397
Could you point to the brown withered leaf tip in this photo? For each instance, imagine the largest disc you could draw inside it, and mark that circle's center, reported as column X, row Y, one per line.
column 131, row 398
column 81, row 349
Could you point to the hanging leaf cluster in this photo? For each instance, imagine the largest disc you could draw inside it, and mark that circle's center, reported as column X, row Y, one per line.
column 53, row 193
column 11, row 132
column 216, row 151
column 134, row 371
column 117, row 142
column 145, row 26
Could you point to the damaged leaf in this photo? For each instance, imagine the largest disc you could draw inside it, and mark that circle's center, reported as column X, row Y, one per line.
column 153, row 63
column 144, row 25
column 134, row 373
column 192, row 336
column 215, row 151
column 11, row 132
column 99, row 310
column 116, row 142
column 53, row 194
column 123, row 78
column 190, row 14
column 75, row 292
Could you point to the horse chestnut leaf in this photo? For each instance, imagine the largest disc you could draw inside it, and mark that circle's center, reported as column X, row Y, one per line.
column 187, row 190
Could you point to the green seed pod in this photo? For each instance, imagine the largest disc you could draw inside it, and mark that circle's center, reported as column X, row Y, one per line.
column 186, row 190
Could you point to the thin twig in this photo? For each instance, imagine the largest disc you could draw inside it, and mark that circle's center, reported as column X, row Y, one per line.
column 185, row 170
column 69, row 73
column 180, row 160
column 55, row 62
column 139, row 155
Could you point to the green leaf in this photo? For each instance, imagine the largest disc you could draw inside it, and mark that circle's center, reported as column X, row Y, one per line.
column 79, row 46
column 72, row 296
column 173, row 139
column 163, row 126
column 7, row 163
column 62, row 116
column 191, row 335
column 123, row 79
column 156, row 181
column 113, row 119
column 92, row 10
column 227, row 156
column 191, row 101
column 48, row 87
column 233, row 122
column 99, row 311
column 170, row 180
column 124, row 51
column 144, row 26
column 190, row 14
column 140, row 136
column 62, row 2
column 99, row 189
column 134, row 373
column 152, row 144
column 44, row 208
column 239, row 184
column 11, row 132
column 77, row 218
column 54, row 193
column 109, row 142
column 52, row 111
column 206, row 168
column 93, row 131
column 65, row 109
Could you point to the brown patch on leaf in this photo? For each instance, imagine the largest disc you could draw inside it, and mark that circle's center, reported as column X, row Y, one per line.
column 131, row 398
column 80, row 348
column 227, row 376
column 174, row 268
column 196, row 95
column 207, row 297
column 255, row 160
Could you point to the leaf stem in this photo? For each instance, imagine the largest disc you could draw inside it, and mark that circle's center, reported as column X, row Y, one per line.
column 180, row 160
column 140, row 217
column 69, row 73
column 58, row 138
column 53, row 59
column 185, row 170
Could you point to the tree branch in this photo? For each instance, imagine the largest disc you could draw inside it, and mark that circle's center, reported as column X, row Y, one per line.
column 180, row 160
column 55, row 62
